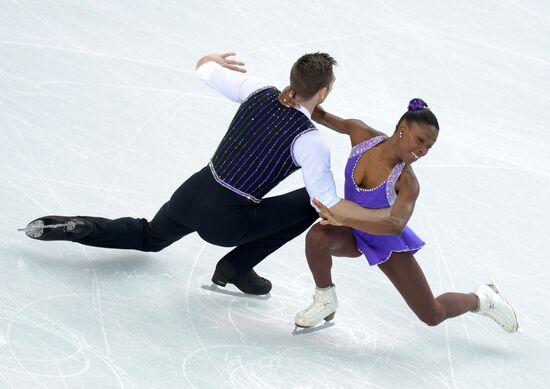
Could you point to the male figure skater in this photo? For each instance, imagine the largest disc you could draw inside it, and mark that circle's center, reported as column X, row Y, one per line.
column 223, row 202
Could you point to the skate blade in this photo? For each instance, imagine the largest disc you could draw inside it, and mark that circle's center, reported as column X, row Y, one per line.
column 302, row 331
column 215, row 288
column 37, row 227
column 518, row 329
column 34, row 229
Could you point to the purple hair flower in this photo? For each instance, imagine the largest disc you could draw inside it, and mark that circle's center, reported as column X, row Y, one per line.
column 417, row 104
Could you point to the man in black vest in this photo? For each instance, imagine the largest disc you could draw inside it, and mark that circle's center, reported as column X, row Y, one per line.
column 223, row 202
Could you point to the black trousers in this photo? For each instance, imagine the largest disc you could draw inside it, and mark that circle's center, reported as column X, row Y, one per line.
column 218, row 215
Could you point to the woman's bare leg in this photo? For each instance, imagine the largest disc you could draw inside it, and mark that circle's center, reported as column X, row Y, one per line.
column 408, row 278
column 323, row 242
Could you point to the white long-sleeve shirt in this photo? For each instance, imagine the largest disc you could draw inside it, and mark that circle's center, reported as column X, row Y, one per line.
column 310, row 151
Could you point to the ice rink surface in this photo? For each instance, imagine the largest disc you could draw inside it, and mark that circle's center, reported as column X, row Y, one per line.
column 101, row 114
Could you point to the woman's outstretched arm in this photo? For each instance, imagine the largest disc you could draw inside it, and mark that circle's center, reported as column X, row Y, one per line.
column 357, row 130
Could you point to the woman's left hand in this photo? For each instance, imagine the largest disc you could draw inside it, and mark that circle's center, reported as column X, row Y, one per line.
column 286, row 98
column 329, row 217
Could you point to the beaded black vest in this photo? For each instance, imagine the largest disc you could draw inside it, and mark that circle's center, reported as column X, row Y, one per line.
column 256, row 152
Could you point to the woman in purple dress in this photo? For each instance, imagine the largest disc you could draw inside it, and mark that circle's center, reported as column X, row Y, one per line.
column 379, row 175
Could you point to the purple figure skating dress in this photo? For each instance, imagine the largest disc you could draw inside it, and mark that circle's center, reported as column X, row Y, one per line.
column 377, row 248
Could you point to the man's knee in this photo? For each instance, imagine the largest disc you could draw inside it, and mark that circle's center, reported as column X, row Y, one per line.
column 153, row 247
column 152, row 242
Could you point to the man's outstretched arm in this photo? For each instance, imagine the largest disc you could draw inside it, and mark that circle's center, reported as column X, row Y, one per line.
column 226, row 76
column 222, row 60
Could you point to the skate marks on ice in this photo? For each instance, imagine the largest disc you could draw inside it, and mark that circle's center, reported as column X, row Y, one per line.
column 215, row 288
column 303, row 331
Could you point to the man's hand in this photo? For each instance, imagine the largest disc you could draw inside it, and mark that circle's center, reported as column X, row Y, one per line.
column 329, row 217
column 222, row 60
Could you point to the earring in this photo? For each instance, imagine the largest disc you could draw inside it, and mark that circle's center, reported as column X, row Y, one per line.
column 401, row 134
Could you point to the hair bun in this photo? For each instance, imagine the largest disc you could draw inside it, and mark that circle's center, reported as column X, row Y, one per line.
column 417, row 104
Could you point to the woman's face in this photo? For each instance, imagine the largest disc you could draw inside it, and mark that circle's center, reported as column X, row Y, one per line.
column 416, row 141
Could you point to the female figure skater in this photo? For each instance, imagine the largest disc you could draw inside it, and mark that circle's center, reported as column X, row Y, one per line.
column 379, row 175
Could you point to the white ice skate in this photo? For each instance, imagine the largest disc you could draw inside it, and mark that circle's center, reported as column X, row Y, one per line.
column 323, row 307
column 492, row 304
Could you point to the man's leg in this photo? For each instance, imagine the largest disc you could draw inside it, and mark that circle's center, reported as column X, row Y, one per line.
column 276, row 221
column 137, row 234
column 173, row 221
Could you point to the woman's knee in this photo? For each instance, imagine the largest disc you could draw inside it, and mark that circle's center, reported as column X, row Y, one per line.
column 432, row 316
column 339, row 241
column 322, row 236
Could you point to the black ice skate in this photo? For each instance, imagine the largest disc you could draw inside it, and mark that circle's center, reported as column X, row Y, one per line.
column 70, row 228
column 250, row 283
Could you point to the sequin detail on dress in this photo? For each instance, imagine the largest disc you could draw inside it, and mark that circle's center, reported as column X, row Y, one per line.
column 390, row 182
column 364, row 146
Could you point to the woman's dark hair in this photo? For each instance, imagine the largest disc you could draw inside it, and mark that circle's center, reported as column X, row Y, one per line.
column 310, row 73
column 419, row 112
